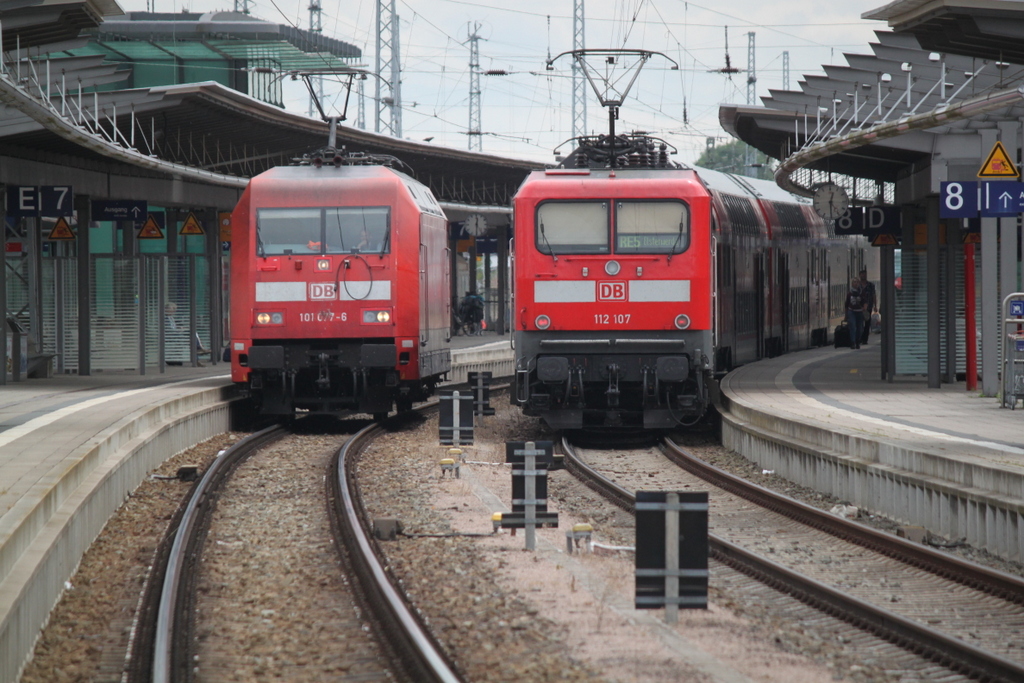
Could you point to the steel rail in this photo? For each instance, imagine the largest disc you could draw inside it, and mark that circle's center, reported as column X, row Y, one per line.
column 999, row 584
column 170, row 660
column 171, row 641
column 953, row 653
column 422, row 657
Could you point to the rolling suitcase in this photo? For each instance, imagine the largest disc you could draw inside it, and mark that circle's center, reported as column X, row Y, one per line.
column 842, row 335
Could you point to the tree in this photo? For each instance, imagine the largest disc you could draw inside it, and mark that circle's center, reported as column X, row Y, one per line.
column 731, row 158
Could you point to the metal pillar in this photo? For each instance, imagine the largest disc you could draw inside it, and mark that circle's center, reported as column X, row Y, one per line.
column 475, row 132
column 471, row 275
column 887, row 265
column 934, row 295
column 83, row 207
column 990, row 301
column 748, row 165
column 1009, row 133
column 3, row 276
column 214, row 258
column 34, row 276
column 579, row 82
column 316, row 27
column 141, row 308
column 361, row 103
column 954, row 250
column 502, row 249
column 388, row 92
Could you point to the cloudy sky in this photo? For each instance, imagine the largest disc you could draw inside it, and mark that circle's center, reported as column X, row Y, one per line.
column 528, row 113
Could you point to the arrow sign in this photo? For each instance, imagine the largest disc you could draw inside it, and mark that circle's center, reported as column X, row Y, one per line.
column 1001, row 198
column 119, row 210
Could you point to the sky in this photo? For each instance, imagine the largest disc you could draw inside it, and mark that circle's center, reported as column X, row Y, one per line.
column 528, row 112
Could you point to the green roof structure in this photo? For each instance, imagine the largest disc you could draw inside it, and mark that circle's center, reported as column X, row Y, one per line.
column 236, row 50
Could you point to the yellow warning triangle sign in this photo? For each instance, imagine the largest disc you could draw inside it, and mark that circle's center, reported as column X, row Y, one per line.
column 998, row 164
column 61, row 231
column 972, row 238
column 150, row 230
column 884, row 239
column 192, row 226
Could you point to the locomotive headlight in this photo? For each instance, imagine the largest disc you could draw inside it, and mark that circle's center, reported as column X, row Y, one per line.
column 270, row 318
column 612, row 267
column 682, row 321
column 323, row 264
column 542, row 322
column 376, row 316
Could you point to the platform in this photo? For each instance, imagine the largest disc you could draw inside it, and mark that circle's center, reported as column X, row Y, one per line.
column 946, row 459
column 72, row 447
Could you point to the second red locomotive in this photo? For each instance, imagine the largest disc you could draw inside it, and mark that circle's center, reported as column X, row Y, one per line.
column 638, row 281
column 613, row 292
column 339, row 288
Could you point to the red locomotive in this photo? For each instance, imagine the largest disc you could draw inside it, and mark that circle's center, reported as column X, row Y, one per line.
column 637, row 281
column 339, row 288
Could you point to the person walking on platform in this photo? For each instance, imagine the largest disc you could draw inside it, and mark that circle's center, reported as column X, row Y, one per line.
column 867, row 289
column 855, row 312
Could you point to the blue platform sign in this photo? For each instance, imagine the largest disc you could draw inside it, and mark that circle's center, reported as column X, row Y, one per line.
column 1017, row 308
column 1001, row 198
column 958, row 199
column 119, row 210
column 51, row 201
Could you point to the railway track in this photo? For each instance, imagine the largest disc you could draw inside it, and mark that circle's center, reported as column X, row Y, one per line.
column 960, row 616
column 402, row 649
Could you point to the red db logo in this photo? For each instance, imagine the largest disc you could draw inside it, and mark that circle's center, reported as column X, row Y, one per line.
column 322, row 291
column 611, row 291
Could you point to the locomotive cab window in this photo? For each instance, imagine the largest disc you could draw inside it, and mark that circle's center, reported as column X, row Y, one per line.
column 362, row 229
column 315, row 230
column 648, row 227
column 572, row 228
column 287, row 231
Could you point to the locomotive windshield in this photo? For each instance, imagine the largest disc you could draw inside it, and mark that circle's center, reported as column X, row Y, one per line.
column 572, row 228
column 649, row 227
column 323, row 230
column 640, row 227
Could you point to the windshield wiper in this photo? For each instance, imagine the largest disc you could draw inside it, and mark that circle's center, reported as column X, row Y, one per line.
column 386, row 242
column 260, row 251
column 675, row 244
column 544, row 237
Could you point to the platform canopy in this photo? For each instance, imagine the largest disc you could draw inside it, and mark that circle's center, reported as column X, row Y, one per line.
column 106, row 105
column 945, row 70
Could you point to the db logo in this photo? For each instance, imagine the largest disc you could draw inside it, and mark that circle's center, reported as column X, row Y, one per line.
column 322, row 290
column 611, row 291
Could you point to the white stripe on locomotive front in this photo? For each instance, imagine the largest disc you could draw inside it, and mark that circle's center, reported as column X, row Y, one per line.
column 585, row 291
column 564, row 291
column 352, row 290
column 661, row 291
